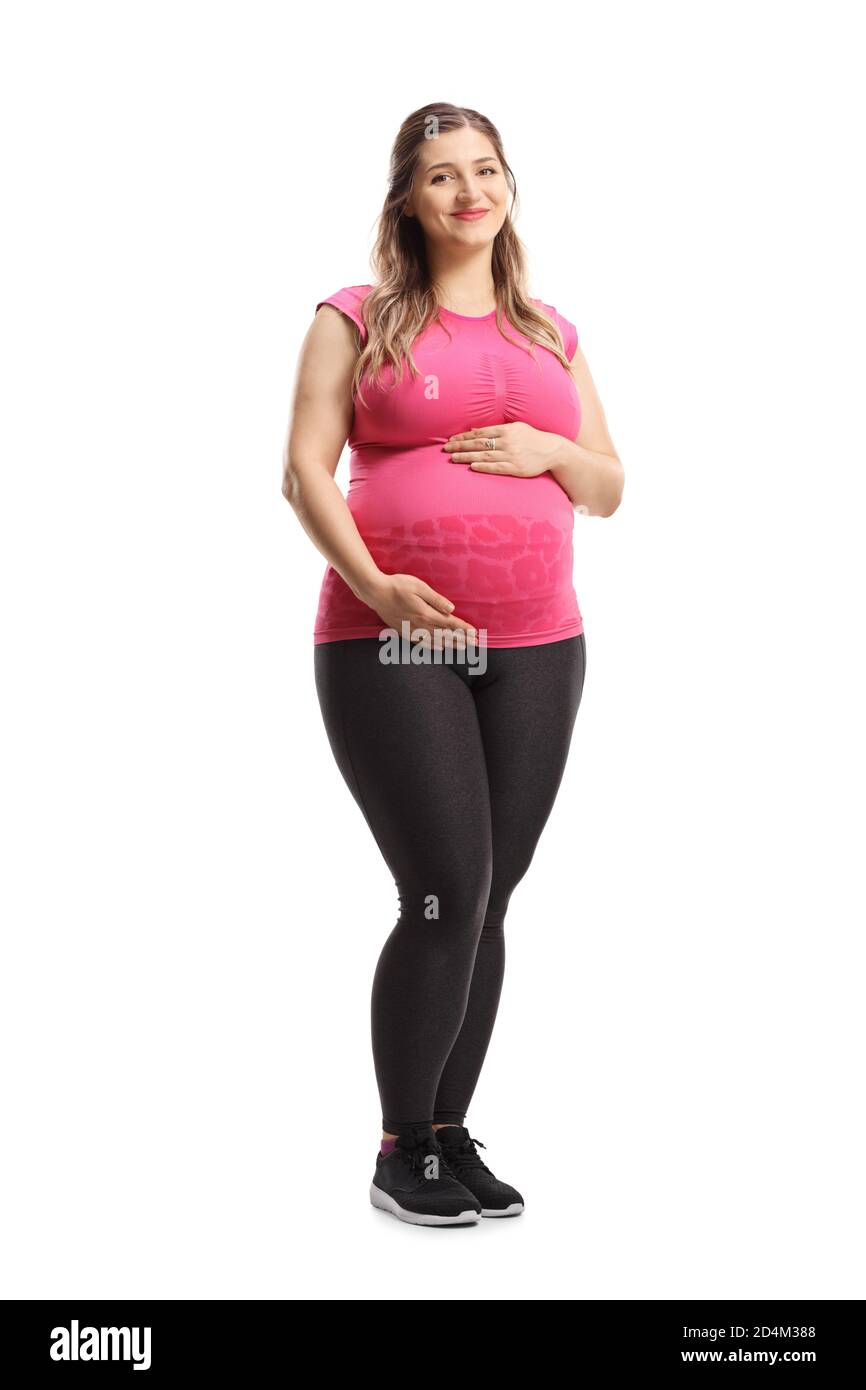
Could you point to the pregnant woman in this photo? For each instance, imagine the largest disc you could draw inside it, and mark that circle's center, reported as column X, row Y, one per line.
column 475, row 431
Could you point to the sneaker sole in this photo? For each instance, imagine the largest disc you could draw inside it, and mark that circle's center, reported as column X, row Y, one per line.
column 385, row 1202
column 514, row 1210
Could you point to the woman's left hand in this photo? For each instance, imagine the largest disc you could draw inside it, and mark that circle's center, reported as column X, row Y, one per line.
column 520, row 449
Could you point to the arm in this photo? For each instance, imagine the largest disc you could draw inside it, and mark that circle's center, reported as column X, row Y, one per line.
column 321, row 419
column 588, row 468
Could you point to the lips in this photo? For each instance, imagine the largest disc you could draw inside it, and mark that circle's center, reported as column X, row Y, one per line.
column 471, row 214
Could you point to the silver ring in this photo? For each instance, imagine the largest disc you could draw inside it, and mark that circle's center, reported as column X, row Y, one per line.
column 491, row 443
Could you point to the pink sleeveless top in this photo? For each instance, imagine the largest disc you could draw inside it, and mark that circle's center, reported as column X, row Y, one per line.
column 499, row 547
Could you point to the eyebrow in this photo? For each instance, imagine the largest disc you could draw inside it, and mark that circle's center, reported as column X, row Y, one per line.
column 448, row 164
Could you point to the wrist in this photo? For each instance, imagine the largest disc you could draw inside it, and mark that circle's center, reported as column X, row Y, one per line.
column 559, row 453
column 369, row 589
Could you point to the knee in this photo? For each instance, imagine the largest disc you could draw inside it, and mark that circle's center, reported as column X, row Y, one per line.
column 453, row 900
column 503, row 884
column 494, row 921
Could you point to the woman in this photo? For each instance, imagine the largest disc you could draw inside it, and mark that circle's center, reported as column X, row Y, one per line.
column 475, row 431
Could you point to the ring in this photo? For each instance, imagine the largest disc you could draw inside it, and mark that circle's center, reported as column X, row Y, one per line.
column 491, row 443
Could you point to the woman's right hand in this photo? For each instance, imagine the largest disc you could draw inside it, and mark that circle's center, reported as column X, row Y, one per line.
column 399, row 598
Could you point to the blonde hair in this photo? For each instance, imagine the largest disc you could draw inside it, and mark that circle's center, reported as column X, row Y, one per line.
column 403, row 301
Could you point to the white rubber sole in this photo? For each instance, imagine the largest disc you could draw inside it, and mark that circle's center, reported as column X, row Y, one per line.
column 385, row 1202
column 514, row 1210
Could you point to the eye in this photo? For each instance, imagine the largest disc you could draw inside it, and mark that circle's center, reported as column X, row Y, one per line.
column 488, row 169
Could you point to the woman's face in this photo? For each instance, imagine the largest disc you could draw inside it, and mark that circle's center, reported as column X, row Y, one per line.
column 458, row 172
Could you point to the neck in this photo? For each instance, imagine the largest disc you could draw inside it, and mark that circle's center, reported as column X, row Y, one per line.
column 466, row 287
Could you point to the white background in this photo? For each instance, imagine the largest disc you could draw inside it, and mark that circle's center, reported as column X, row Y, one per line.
column 193, row 904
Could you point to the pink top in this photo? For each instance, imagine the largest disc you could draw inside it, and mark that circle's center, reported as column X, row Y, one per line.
column 498, row 546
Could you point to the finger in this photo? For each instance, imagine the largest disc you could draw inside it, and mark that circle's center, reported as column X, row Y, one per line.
column 480, row 456
column 485, row 465
column 434, row 599
column 450, row 639
column 483, row 432
column 455, row 625
column 479, row 430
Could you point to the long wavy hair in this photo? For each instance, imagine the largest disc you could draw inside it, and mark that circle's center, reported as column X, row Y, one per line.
column 403, row 301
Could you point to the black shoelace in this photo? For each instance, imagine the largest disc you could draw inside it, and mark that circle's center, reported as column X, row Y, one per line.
column 417, row 1156
column 464, row 1155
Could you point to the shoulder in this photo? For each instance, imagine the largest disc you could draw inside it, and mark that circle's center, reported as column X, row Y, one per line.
column 349, row 301
column 565, row 326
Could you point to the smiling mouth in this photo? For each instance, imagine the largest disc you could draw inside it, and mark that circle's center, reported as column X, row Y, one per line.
column 470, row 214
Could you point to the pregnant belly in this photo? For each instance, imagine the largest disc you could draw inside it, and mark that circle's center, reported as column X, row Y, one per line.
column 499, row 547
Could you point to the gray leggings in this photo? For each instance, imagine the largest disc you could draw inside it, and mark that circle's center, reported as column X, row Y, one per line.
column 456, row 775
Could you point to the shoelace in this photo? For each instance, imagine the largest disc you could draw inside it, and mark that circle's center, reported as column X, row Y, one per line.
column 417, row 1156
column 464, row 1155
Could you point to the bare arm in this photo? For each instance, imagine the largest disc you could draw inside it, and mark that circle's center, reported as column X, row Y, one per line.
column 589, row 468
column 321, row 418
column 320, row 422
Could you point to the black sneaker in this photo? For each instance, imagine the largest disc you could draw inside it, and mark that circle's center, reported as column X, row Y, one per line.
column 496, row 1198
column 414, row 1183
